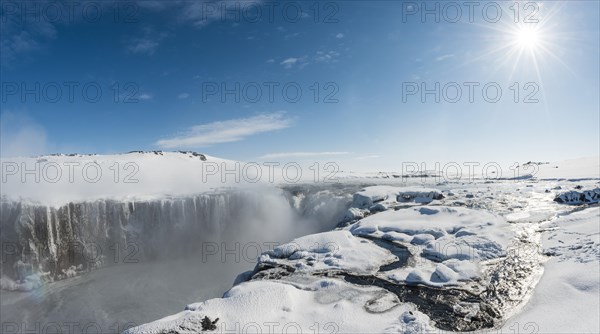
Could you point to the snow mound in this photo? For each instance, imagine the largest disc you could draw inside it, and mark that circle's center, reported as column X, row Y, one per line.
column 446, row 246
column 324, row 306
column 448, row 243
column 374, row 199
column 329, row 250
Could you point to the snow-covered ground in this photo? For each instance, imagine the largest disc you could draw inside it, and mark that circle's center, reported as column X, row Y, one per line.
column 567, row 298
column 59, row 179
column 371, row 253
column 574, row 169
column 482, row 256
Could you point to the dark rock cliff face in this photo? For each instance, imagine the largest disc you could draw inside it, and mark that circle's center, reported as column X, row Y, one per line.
column 59, row 242
column 41, row 238
column 91, row 234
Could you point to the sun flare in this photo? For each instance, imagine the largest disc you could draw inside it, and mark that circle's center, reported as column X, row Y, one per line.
column 527, row 38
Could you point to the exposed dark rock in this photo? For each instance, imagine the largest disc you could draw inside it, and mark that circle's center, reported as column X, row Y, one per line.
column 577, row 197
column 209, row 325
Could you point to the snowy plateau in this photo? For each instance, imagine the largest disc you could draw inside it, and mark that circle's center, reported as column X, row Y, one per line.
column 365, row 253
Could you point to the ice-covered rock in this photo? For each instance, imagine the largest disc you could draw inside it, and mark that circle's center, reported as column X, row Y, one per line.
column 383, row 263
column 579, row 197
column 335, row 250
column 386, row 195
column 353, row 214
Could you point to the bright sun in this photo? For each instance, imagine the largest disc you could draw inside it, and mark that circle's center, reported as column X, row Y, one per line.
column 524, row 47
column 527, row 38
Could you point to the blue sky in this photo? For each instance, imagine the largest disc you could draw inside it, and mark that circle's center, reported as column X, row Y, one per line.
column 167, row 58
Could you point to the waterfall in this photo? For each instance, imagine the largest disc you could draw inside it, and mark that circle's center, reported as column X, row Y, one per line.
column 59, row 242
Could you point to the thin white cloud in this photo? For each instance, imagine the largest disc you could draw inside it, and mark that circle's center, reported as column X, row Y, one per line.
column 295, row 62
column 20, row 40
column 289, row 62
column 319, row 57
column 326, row 57
column 145, row 96
column 300, row 154
column 148, row 43
column 290, row 36
column 440, row 58
column 339, row 35
column 143, row 46
column 183, row 96
column 227, row 131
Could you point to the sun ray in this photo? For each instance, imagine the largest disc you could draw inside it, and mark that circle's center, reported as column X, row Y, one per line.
column 518, row 43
